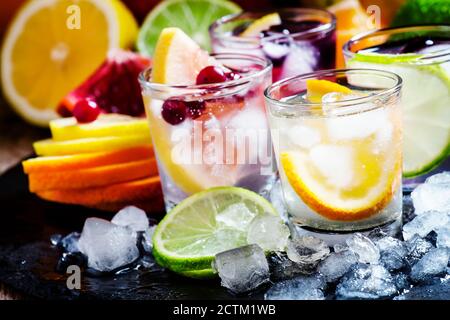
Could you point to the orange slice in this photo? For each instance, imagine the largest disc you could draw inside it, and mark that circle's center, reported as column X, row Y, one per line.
column 316, row 89
column 92, row 177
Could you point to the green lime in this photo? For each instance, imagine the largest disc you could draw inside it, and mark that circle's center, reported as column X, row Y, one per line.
column 206, row 223
column 192, row 16
column 416, row 12
column 425, row 104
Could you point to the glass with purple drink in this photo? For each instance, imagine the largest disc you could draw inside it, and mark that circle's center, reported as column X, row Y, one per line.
column 295, row 40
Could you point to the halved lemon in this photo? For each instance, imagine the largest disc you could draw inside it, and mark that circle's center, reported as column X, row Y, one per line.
column 54, row 45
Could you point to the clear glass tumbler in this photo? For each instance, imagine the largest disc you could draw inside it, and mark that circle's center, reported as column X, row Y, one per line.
column 214, row 134
column 304, row 41
column 421, row 56
column 339, row 157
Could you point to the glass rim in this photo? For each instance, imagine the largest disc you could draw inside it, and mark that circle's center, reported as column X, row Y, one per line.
column 228, row 18
column 422, row 57
column 265, row 63
column 345, row 104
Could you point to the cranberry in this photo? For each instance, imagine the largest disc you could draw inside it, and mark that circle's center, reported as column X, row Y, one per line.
column 86, row 111
column 211, row 74
column 174, row 111
column 195, row 108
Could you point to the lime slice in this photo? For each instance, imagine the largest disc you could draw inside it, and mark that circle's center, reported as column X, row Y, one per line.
column 192, row 16
column 426, row 111
column 209, row 222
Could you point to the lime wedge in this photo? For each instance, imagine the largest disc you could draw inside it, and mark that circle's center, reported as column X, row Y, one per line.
column 192, row 16
column 206, row 223
column 426, row 109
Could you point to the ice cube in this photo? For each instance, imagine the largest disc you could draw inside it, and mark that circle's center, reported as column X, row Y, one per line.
column 283, row 268
column 107, row 245
column 236, row 216
column 307, row 250
column 300, row 288
column 70, row 242
column 391, row 244
column 132, row 217
column 242, row 269
column 269, row 232
column 338, row 172
column 339, row 247
column 357, row 126
column 417, row 248
column 147, row 242
column 303, row 136
column 302, row 58
column 443, row 237
column 366, row 250
column 337, row 264
column 366, row 281
column 434, row 194
column 424, row 224
column 401, row 281
column 432, row 264
column 391, row 260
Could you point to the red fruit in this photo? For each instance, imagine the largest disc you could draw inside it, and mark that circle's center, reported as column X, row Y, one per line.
column 86, row 111
column 211, row 74
column 113, row 86
column 174, row 111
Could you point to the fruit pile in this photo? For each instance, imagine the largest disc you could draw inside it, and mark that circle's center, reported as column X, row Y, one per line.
column 106, row 164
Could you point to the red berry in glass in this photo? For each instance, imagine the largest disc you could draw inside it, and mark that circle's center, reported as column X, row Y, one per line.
column 174, row 111
column 211, row 74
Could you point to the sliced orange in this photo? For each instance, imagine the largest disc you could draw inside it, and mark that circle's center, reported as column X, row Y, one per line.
column 127, row 192
column 355, row 185
column 92, row 177
column 316, row 89
column 88, row 160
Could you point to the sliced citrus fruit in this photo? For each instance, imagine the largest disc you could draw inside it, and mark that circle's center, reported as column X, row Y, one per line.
column 92, row 177
column 50, row 147
column 199, row 227
column 261, row 24
column 87, row 160
column 106, row 125
column 344, row 183
column 53, row 45
column 178, row 59
column 350, row 20
column 316, row 89
column 425, row 105
column 192, row 16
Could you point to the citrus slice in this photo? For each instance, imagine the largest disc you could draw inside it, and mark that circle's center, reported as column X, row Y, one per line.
column 178, row 59
column 426, row 112
column 316, row 89
column 50, row 147
column 192, row 16
column 105, row 125
column 261, row 24
column 343, row 183
column 54, row 45
column 209, row 222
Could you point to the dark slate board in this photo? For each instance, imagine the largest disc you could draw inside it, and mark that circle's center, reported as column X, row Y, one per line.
column 27, row 259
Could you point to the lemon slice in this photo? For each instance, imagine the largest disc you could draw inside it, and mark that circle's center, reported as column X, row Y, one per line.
column 261, row 24
column 344, row 183
column 54, row 45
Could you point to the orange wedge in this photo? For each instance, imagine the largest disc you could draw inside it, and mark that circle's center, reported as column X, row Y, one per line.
column 92, row 177
column 127, row 192
column 85, row 161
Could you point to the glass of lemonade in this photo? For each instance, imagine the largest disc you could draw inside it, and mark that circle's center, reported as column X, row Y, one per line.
column 212, row 134
column 420, row 55
column 302, row 40
column 337, row 136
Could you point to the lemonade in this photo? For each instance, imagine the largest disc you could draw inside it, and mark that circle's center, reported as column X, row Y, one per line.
column 295, row 40
column 337, row 139
column 207, row 118
column 421, row 56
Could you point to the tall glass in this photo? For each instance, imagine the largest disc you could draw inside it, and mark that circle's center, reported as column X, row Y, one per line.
column 340, row 157
column 211, row 135
column 421, row 56
column 304, row 42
